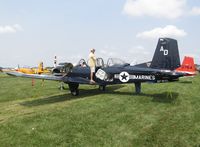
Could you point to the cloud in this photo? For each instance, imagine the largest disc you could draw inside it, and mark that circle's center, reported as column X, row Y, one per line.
column 168, row 31
column 195, row 11
column 108, row 51
column 10, row 29
column 138, row 54
column 170, row 9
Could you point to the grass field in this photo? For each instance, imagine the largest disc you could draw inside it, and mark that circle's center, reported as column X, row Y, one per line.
column 166, row 114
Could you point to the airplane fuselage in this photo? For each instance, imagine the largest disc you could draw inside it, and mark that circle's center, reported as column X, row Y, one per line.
column 124, row 74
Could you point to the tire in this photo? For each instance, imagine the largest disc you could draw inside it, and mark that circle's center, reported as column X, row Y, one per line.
column 75, row 93
column 74, row 88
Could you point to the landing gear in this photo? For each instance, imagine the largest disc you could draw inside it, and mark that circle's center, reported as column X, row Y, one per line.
column 73, row 87
column 138, row 87
column 102, row 87
column 61, row 86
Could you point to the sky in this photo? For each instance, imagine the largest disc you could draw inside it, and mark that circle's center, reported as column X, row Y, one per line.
column 37, row 30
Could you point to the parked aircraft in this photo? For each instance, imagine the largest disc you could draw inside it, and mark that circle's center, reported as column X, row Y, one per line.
column 38, row 70
column 162, row 69
column 198, row 67
column 187, row 67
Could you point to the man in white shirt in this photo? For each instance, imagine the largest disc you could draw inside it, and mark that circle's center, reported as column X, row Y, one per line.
column 92, row 63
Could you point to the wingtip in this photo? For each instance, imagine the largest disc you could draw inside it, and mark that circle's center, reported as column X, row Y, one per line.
column 13, row 73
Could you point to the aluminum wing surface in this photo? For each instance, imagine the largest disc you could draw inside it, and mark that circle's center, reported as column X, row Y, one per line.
column 45, row 77
column 79, row 80
column 65, row 79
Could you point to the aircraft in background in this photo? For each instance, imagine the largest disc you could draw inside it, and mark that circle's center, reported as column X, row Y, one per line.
column 162, row 69
column 38, row 70
column 188, row 66
column 197, row 67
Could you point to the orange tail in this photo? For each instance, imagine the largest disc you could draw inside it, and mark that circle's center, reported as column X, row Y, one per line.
column 187, row 66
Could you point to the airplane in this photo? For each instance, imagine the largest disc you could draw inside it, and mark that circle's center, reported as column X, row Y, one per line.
column 162, row 69
column 38, row 70
column 197, row 66
column 188, row 66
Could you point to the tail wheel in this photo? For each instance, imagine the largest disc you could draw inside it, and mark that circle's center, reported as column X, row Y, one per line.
column 73, row 87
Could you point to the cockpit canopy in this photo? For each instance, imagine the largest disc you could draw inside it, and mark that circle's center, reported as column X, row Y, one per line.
column 100, row 62
column 115, row 62
column 66, row 67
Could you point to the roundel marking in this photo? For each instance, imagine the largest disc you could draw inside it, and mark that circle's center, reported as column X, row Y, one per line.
column 124, row 77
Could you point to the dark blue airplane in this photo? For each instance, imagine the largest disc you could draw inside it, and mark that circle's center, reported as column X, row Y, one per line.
column 161, row 69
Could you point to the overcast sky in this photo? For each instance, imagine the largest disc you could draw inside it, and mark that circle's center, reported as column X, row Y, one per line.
column 36, row 30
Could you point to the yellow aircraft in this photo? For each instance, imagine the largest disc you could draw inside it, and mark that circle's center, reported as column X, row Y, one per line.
column 38, row 70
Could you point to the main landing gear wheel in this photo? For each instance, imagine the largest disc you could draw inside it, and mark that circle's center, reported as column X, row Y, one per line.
column 73, row 87
column 75, row 92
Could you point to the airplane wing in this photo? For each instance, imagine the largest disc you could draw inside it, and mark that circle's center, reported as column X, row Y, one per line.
column 36, row 76
column 65, row 79
column 80, row 80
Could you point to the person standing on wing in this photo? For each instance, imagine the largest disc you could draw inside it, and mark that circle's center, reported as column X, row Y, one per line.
column 92, row 63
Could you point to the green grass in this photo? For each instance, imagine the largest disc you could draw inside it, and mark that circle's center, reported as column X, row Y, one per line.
column 166, row 114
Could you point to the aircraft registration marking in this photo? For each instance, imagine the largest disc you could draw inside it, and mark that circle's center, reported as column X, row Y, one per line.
column 165, row 51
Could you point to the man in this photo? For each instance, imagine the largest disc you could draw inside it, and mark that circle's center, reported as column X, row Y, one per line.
column 92, row 63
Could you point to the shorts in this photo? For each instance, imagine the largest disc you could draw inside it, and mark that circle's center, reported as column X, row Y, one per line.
column 92, row 69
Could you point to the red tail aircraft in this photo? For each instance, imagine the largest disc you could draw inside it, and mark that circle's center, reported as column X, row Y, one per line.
column 187, row 67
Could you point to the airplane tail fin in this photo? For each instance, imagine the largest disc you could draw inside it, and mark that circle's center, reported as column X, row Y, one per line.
column 187, row 66
column 40, row 66
column 166, row 55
